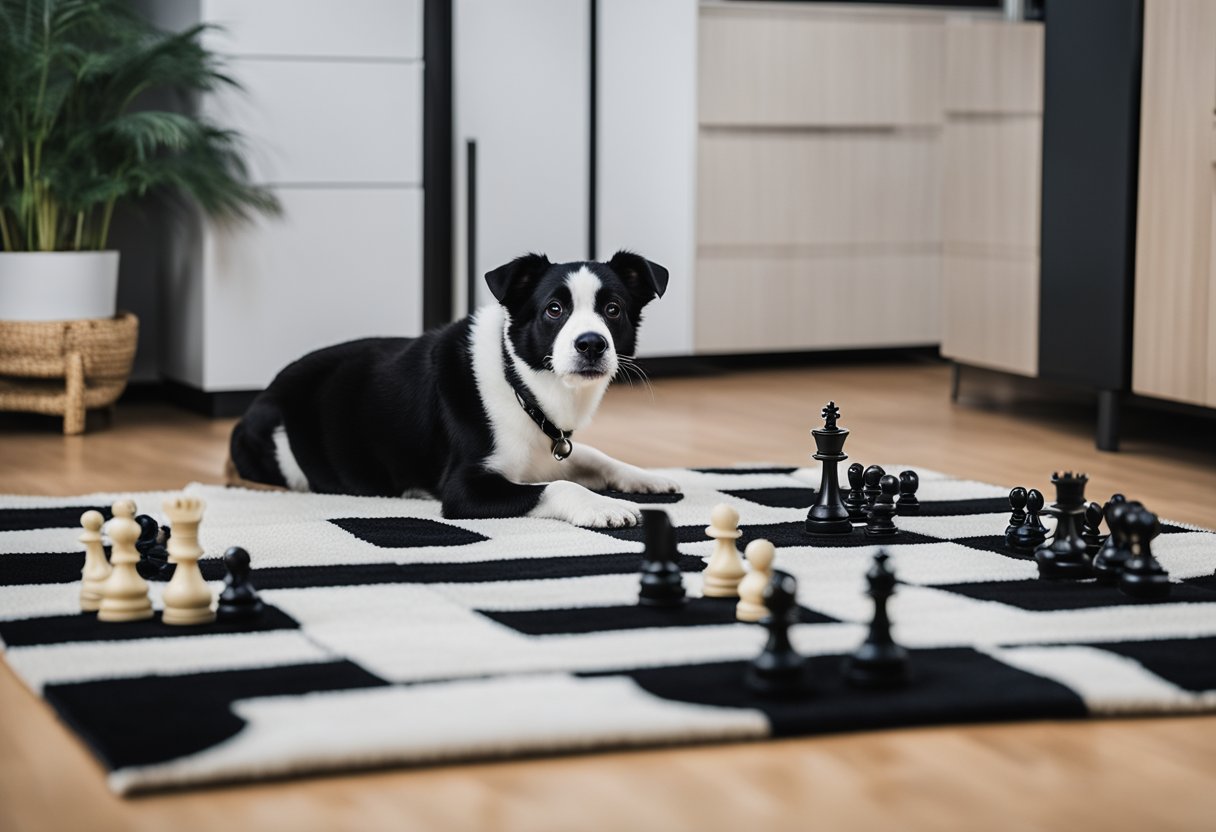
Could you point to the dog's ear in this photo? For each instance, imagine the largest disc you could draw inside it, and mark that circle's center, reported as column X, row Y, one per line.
column 520, row 275
column 644, row 279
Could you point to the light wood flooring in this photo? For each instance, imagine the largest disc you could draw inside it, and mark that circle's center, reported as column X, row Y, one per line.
column 1112, row 774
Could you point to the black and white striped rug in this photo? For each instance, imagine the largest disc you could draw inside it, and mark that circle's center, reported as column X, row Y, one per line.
column 394, row 636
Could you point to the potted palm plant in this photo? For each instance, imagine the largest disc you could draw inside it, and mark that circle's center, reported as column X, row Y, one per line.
column 77, row 138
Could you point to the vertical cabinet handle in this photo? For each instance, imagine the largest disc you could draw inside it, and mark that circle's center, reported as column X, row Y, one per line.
column 470, row 240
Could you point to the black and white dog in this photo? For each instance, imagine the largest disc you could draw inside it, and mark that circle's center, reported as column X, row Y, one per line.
column 479, row 412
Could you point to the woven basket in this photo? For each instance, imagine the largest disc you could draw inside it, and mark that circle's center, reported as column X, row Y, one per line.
column 64, row 368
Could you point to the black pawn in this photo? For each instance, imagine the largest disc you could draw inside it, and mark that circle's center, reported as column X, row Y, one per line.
column 909, row 481
column 881, row 520
column 1031, row 534
column 239, row 600
column 829, row 515
column 1065, row 556
column 1091, row 531
column 1143, row 578
column 153, row 556
column 1017, row 502
column 1115, row 552
column 662, row 582
column 879, row 662
column 872, row 476
column 778, row 670
column 855, row 500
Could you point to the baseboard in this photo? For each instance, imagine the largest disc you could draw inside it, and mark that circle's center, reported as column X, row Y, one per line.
column 223, row 404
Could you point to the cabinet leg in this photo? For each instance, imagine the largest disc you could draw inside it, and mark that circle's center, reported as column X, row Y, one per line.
column 1106, row 437
column 956, row 378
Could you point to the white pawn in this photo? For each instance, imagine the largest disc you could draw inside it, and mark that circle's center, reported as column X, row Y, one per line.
column 124, row 595
column 96, row 567
column 725, row 568
column 760, row 554
column 187, row 597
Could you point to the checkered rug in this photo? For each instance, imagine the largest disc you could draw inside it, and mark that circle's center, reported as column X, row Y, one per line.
column 394, row 636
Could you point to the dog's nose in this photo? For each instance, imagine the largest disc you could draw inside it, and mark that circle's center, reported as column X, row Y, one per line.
column 591, row 343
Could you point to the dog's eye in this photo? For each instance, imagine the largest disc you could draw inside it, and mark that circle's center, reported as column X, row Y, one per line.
column 613, row 310
column 554, row 309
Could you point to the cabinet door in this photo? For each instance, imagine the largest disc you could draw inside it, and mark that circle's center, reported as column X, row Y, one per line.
column 1172, row 346
column 521, row 91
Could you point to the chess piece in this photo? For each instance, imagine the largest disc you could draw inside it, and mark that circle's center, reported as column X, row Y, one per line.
column 778, row 670
column 1090, row 531
column 1115, row 552
column 662, row 583
column 872, row 476
column 1017, row 502
column 239, row 600
column 153, row 556
column 725, row 569
column 881, row 519
column 879, row 662
column 855, row 500
column 1065, row 557
column 124, row 595
column 760, row 554
column 907, row 504
column 829, row 515
column 96, row 567
column 187, row 597
column 1143, row 578
column 1030, row 535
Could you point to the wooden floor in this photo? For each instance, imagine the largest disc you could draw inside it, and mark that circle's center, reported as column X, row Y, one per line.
column 1125, row 774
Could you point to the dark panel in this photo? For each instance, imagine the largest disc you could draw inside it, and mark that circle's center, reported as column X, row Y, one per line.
column 1091, row 120
column 437, row 163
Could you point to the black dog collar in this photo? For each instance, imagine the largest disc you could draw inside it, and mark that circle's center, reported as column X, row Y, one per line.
column 562, row 446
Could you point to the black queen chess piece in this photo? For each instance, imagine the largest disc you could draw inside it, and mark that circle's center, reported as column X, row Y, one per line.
column 879, row 662
column 778, row 670
column 662, row 583
column 829, row 515
column 239, row 599
column 1066, row 556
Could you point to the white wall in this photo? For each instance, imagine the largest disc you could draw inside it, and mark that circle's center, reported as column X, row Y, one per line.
column 647, row 152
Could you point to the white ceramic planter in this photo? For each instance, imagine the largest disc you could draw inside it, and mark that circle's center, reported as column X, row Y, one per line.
column 58, row 285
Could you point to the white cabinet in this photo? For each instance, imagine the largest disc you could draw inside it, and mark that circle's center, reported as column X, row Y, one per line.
column 331, row 109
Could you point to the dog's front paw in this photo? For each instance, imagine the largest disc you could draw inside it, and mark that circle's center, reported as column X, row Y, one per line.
column 641, row 481
column 575, row 504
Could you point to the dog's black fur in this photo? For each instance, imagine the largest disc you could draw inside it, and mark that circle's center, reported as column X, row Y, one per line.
column 385, row 416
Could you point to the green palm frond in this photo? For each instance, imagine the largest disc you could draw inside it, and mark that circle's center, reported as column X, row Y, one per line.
column 73, row 143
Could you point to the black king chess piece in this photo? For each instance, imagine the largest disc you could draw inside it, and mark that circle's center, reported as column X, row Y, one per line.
column 778, row 670
column 239, row 600
column 662, row 582
column 1115, row 553
column 1143, row 577
column 1027, row 537
column 879, row 662
column 829, row 514
column 907, row 504
column 855, row 501
column 1066, row 556
column 153, row 556
column 880, row 522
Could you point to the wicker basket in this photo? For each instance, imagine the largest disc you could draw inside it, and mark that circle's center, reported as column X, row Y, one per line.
column 64, row 368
